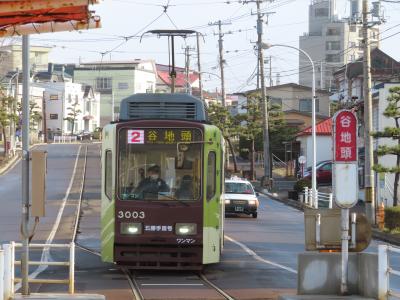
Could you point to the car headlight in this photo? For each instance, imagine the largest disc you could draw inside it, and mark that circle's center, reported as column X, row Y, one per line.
column 227, row 201
column 252, row 202
column 185, row 228
column 131, row 228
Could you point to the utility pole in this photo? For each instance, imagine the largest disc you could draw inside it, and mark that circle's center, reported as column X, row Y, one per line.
column 267, row 160
column 199, row 65
column 221, row 58
column 187, row 69
column 369, row 158
column 270, row 72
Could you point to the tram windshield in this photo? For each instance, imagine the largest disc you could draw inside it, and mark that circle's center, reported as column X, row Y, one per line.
column 151, row 168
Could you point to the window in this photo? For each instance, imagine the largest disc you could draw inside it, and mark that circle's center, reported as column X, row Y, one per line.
column 276, row 101
column 238, row 188
column 108, row 175
column 333, row 45
column 150, row 168
column 53, row 116
column 333, row 31
column 211, row 175
column 104, row 83
column 332, row 58
column 305, row 105
column 123, row 85
column 327, row 167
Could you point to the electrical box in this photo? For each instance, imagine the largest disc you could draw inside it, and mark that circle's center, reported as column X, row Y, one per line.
column 39, row 170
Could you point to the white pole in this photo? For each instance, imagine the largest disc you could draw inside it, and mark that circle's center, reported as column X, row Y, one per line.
column 1, row 274
column 345, row 250
column 71, row 289
column 7, row 287
column 112, row 104
column 383, row 274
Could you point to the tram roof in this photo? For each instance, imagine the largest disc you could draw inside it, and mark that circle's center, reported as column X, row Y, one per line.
column 162, row 106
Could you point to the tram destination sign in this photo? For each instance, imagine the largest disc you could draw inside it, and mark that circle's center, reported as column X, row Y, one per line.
column 162, row 136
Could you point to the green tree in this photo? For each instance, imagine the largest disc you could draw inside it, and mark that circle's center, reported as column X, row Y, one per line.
column 6, row 116
column 73, row 114
column 220, row 117
column 392, row 111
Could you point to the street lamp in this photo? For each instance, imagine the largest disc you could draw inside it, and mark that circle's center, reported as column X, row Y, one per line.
column 314, row 144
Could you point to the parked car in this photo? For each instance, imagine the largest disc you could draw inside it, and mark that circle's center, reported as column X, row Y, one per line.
column 324, row 172
column 240, row 197
column 85, row 135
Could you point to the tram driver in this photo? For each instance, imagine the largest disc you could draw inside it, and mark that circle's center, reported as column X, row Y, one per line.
column 150, row 186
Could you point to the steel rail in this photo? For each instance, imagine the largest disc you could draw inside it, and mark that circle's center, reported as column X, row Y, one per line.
column 216, row 288
column 133, row 284
column 78, row 213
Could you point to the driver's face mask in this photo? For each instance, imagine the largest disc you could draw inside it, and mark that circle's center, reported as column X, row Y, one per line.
column 154, row 176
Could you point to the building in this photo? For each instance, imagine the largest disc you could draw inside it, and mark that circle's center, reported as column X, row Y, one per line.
column 331, row 42
column 184, row 83
column 11, row 58
column 323, row 131
column 116, row 80
column 61, row 99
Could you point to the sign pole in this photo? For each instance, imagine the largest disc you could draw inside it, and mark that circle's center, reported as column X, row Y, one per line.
column 345, row 249
column 345, row 179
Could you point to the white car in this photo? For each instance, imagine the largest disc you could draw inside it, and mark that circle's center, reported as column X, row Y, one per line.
column 240, row 197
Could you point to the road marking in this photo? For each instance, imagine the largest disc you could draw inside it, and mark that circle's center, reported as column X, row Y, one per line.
column 259, row 258
column 46, row 251
column 172, row 284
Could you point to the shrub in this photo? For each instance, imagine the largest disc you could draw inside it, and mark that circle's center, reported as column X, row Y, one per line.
column 301, row 184
column 392, row 217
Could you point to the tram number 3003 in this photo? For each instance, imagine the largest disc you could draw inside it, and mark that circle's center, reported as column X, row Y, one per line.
column 131, row 214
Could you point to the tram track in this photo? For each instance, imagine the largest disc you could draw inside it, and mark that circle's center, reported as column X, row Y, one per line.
column 194, row 286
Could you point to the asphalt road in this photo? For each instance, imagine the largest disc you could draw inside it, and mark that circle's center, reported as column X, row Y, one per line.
column 259, row 259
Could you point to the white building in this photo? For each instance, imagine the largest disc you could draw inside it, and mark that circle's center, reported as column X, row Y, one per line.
column 331, row 42
column 323, row 142
column 62, row 98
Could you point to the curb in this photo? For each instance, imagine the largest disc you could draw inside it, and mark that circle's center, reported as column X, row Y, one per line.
column 10, row 164
column 376, row 234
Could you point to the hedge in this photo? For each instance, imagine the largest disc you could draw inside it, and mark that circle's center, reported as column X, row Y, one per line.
column 392, row 217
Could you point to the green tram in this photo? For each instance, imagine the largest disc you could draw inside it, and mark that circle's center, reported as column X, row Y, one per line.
column 162, row 185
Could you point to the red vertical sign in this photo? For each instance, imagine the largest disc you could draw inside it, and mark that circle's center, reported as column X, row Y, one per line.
column 345, row 136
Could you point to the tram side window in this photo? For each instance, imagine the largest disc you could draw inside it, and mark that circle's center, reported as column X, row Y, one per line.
column 108, row 175
column 211, row 174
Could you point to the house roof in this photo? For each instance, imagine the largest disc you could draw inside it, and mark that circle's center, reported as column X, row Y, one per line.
column 322, row 128
column 180, row 78
column 287, row 85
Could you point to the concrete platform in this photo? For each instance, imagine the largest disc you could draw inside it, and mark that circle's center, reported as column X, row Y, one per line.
column 322, row 297
column 43, row 296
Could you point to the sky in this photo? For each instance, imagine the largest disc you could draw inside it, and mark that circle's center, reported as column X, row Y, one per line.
column 131, row 18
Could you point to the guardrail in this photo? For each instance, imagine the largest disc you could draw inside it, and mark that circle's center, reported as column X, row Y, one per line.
column 8, row 263
column 319, row 196
column 385, row 271
column 64, row 139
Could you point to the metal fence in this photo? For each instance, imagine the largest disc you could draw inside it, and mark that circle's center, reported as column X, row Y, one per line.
column 325, row 198
column 64, row 139
column 8, row 263
column 386, row 271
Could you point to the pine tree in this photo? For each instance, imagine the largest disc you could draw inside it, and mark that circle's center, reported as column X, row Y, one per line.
column 391, row 111
column 6, row 115
column 73, row 114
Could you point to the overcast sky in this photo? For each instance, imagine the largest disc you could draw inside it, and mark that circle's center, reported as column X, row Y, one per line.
column 124, row 18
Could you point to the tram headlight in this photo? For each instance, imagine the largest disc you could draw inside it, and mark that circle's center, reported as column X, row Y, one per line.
column 227, row 201
column 185, row 228
column 131, row 228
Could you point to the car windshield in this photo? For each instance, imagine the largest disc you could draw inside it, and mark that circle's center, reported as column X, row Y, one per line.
column 238, row 188
column 150, row 168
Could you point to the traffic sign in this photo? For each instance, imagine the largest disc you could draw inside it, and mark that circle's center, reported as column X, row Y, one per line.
column 302, row 160
column 345, row 168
